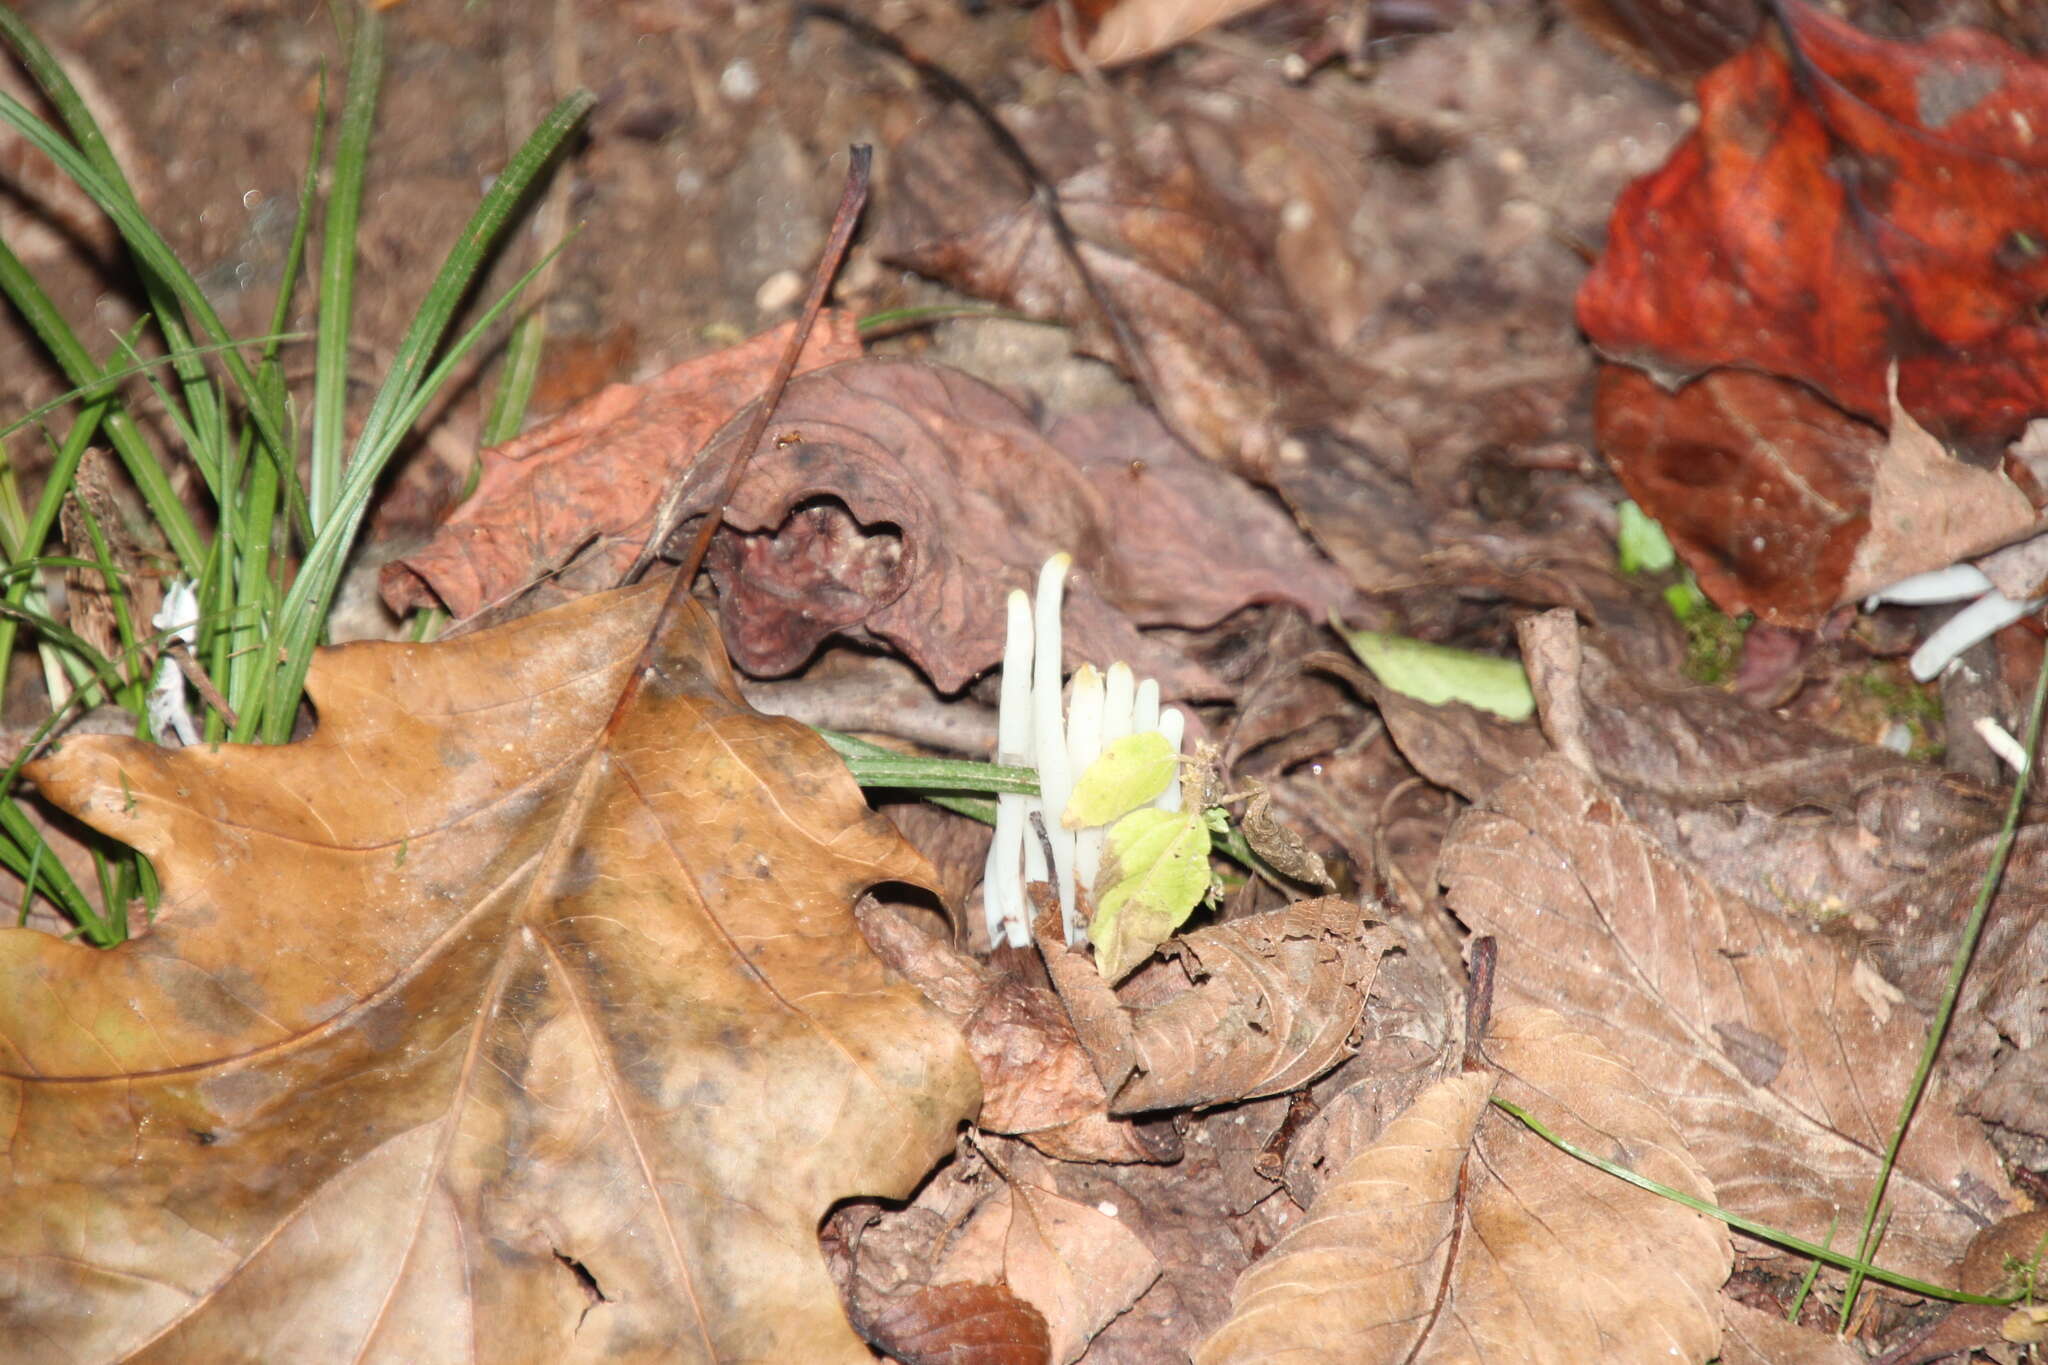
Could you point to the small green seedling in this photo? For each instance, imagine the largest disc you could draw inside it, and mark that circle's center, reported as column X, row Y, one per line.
column 1640, row 543
column 1435, row 674
column 1129, row 774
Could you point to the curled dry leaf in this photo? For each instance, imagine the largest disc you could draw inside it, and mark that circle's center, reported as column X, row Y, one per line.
column 1460, row 1235
column 1273, row 1003
column 948, row 497
column 1781, row 1056
column 960, row 1324
column 1874, row 201
column 464, row 1008
column 595, row 472
column 1037, row 1081
column 1133, row 30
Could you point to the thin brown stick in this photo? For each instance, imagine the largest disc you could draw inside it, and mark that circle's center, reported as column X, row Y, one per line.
column 947, row 86
column 851, row 200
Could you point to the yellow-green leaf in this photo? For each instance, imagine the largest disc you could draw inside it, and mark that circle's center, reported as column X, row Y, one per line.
column 1127, row 775
column 1155, row 870
column 1435, row 674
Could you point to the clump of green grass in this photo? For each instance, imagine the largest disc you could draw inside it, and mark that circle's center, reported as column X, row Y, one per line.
column 267, row 570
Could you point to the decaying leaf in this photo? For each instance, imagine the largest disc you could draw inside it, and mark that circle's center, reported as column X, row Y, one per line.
column 1778, row 1053
column 941, row 496
column 1763, row 486
column 960, row 1324
column 1155, row 871
column 595, row 472
column 1132, row 30
column 1874, row 201
column 1751, row 1337
column 1462, row 1236
column 1079, row 1265
column 470, row 1027
column 1273, row 1003
column 1282, row 847
column 1928, row 509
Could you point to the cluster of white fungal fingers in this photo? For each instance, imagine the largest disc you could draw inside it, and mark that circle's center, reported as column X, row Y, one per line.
column 1034, row 730
column 1990, row 612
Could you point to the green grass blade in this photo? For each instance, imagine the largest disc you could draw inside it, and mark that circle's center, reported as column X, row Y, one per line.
column 136, row 454
column 303, row 612
column 338, row 268
column 153, row 256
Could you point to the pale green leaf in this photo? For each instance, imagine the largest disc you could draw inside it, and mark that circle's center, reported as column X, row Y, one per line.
column 1640, row 543
column 1155, row 871
column 1129, row 773
column 1436, row 674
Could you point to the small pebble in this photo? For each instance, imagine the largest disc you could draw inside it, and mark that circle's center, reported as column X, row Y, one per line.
column 739, row 82
column 779, row 291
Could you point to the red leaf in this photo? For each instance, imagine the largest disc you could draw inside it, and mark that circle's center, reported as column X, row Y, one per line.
column 1762, row 487
column 961, row 1324
column 1865, row 201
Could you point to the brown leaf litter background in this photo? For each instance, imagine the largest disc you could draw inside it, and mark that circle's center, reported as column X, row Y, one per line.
column 466, row 1030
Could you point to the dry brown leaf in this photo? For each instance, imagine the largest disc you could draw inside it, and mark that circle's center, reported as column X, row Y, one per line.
column 1767, row 806
column 1077, row 1265
column 1137, row 29
column 1782, row 1057
column 1752, row 1337
column 1461, row 1236
column 1272, row 1003
column 961, row 1324
column 1236, row 359
column 1928, row 509
column 469, row 1030
column 947, row 497
column 597, row 471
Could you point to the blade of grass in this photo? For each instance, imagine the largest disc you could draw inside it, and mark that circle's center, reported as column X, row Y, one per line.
column 338, row 267
column 1762, row 1231
column 136, row 454
column 204, row 411
column 405, row 391
column 1959, row 966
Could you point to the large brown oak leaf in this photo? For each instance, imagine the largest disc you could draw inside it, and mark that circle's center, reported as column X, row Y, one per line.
column 471, row 1028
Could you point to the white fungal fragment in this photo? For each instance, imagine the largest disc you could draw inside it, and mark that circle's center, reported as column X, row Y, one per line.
column 1002, row 891
column 1119, row 702
column 1048, row 734
column 1173, row 725
column 1986, row 616
column 167, row 706
column 1145, row 706
column 1956, row 583
column 1084, row 746
column 2001, row 743
column 1033, row 729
